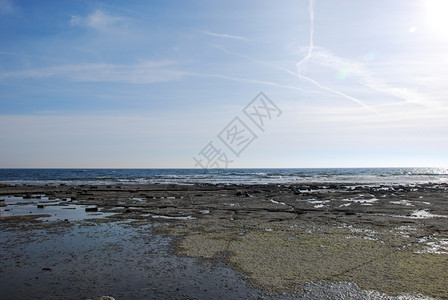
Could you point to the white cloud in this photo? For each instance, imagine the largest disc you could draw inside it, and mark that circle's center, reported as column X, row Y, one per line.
column 141, row 73
column 98, row 20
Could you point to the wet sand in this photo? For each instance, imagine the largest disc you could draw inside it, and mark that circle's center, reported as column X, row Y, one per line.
column 309, row 241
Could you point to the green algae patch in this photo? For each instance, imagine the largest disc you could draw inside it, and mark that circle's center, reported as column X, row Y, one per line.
column 282, row 256
column 294, row 260
column 402, row 272
column 205, row 246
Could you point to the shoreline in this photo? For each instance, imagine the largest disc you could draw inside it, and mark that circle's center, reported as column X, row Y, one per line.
column 281, row 237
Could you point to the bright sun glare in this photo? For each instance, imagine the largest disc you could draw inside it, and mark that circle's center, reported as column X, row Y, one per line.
column 437, row 15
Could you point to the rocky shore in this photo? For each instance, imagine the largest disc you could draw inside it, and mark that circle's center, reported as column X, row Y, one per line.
column 332, row 239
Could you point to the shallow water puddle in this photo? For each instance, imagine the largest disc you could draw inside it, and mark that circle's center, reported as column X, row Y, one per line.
column 402, row 202
column 51, row 210
column 423, row 214
column 361, row 200
column 170, row 217
column 85, row 261
column 319, row 203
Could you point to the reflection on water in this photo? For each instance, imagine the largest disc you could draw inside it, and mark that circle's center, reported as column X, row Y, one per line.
column 88, row 259
column 51, row 210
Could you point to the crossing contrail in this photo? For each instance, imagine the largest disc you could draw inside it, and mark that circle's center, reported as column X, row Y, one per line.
column 308, row 56
column 302, row 61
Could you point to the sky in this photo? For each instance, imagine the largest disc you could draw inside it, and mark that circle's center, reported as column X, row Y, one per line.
column 166, row 84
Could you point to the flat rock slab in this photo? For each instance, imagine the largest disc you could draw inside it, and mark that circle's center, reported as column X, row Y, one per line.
column 299, row 239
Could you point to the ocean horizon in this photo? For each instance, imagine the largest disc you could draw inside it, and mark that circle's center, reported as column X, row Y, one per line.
column 95, row 176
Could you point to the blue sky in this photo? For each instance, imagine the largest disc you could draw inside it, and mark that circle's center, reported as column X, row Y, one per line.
column 150, row 83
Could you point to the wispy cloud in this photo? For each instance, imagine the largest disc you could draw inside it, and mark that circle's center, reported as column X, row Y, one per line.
column 355, row 69
column 302, row 77
column 247, row 80
column 6, row 7
column 98, row 20
column 225, row 35
column 141, row 73
column 358, row 71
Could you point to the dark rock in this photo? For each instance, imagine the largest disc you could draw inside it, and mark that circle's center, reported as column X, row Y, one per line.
column 91, row 209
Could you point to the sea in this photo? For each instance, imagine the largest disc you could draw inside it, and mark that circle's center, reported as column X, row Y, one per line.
column 366, row 176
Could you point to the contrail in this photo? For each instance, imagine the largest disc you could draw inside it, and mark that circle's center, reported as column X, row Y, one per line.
column 308, row 56
column 225, row 35
column 336, row 92
column 366, row 78
column 300, row 76
column 303, row 60
column 311, row 45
